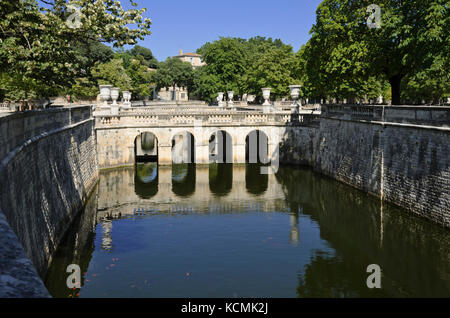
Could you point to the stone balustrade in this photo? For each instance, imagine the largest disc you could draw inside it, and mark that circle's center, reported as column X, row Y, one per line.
column 415, row 115
column 162, row 118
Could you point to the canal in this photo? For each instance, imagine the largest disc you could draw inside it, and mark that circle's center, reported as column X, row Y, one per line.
column 229, row 231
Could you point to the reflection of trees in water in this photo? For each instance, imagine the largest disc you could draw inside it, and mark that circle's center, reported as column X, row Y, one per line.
column 183, row 179
column 146, row 180
column 413, row 255
column 220, row 178
column 255, row 182
column 332, row 277
column 76, row 247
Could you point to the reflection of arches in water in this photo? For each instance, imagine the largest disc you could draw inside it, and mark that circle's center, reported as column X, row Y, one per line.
column 257, row 147
column 220, row 147
column 255, row 182
column 146, row 147
column 220, row 178
column 146, row 179
column 183, row 179
column 183, row 148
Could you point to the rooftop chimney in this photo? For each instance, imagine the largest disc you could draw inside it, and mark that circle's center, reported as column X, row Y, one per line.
column 181, row 52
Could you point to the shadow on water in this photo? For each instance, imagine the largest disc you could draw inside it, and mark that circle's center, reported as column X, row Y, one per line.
column 335, row 233
column 146, row 180
column 183, row 179
column 255, row 182
column 220, row 178
column 77, row 247
column 412, row 252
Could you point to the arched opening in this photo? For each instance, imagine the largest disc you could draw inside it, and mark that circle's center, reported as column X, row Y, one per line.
column 146, row 147
column 183, row 148
column 220, row 147
column 146, row 180
column 257, row 147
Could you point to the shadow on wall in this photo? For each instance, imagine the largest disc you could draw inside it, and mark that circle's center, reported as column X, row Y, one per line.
column 43, row 188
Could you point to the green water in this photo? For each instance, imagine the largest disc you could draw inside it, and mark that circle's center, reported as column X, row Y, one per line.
column 228, row 231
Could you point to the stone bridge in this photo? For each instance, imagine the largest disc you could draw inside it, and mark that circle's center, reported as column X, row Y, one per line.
column 192, row 134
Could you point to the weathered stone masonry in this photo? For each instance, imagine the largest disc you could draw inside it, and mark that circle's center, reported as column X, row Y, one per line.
column 48, row 167
column 403, row 157
column 49, row 164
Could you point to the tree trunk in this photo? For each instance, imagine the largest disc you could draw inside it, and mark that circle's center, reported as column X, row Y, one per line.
column 395, row 82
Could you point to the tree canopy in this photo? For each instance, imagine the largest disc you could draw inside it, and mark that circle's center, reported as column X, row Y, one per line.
column 345, row 58
column 40, row 50
column 172, row 73
column 245, row 66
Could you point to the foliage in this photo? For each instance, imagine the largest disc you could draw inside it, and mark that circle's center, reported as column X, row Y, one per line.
column 140, row 79
column 245, row 66
column 112, row 73
column 172, row 73
column 343, row 54
column 144, row 55
column 37, row 46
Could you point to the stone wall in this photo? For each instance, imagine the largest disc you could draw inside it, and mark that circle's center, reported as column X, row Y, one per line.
column 48, row 168
column 405, row 163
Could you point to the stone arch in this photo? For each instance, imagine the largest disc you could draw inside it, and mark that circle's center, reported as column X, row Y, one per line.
column 220, row 147
column 146, row 147
column 183, row 147
column 257, row 147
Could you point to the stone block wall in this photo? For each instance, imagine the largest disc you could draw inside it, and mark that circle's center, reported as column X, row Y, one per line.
column 45, row 178
column 407, row 165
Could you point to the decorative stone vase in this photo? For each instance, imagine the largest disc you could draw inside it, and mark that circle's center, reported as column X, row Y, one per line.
column 230, row 98
column 295, row 94
column 115, row 94
column 220, row 99
column 266, row 96
column 105, row 94
column 126, row 99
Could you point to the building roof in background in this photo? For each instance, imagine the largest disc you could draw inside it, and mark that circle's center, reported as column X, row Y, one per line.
column 190, row 54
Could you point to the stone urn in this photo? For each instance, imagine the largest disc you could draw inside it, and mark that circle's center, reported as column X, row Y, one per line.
column 230, row 98
column 295, row 94
column 266, row 96
column 220, row 99
column 105, row 94
column 126, row 99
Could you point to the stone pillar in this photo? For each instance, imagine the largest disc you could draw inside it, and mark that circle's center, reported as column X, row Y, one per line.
column 164, row 154
column 239, row 152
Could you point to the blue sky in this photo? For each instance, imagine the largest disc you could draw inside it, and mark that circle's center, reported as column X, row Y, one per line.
column 188, row 24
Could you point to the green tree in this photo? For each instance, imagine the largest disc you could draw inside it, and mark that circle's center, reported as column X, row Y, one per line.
column 226, row 62
column 144, row 55
column 140, row 79
column 172, row 73
column 38, row 46
column 272, row 68
column 244, row 66
column 112, row 73
column 343, row 52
